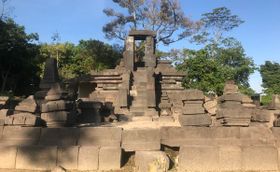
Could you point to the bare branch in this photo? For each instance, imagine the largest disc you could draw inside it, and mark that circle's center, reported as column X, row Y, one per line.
column 163, row 16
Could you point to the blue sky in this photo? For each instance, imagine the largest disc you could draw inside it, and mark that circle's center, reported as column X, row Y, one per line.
column 83, row 19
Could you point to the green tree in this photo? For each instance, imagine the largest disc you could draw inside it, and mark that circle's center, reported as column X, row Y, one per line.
column 270, row 72
column 163, row 16
column 104, row 55
column 222, row 58
column 18, row 58
column 209, row 73
column 77, row 60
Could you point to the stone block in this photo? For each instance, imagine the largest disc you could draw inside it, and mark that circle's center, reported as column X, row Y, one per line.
column 260, row 158
column 239, row 113
column 15, row 135
column 89, row 105
column 194, row 102
column 88, row 158
column 8, row 157
column 4, row 98
column 195, row 120
column 141, row 139
column 123, row 98
column 199, row 158
column 1, row 131
column 17, row 119
column 54, row 97
column 110, row 158
column 211, row 107
column 225, row 132
column 230, row 88
column 23, row 119
column 58, row 119
column 232, row 97
column 261, row 133
column 193, row 94
column 26, row 108
column 58, row 105
column 246, row 99
column 29, row 101
column 59, row 136
column 231, row 104
column 3, row 113
column 230, row 158
column 100, row 136
column 261, row 115
column 67, row 157
column 36, row 158
column 275, row 103
column 190, row 109
column 151, row 99
column 147, row 161
column 178, row 136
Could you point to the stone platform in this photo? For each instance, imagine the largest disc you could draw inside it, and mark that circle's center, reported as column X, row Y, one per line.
column 102, row 148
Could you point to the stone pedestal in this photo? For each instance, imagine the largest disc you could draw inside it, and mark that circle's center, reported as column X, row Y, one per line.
column 90, row 112
column 193, row 113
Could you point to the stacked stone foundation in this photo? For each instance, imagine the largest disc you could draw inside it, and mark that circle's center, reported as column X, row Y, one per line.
column 103, row 148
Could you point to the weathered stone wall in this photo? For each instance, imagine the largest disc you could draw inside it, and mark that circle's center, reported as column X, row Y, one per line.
column 94, row 148
column 100, row 148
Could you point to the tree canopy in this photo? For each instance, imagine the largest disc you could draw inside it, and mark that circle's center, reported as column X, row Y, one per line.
column 22, row 58
column 76, row 60
column 209, row 73
column 18, row 57
column 221, row 59
column 270, row 72
column 163, row 16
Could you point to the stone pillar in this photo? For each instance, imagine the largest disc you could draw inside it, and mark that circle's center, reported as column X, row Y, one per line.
column 129, row 53
column 150, row 58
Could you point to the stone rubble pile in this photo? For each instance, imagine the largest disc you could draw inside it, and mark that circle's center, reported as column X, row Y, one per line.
column 25, row 114
column 194, row 113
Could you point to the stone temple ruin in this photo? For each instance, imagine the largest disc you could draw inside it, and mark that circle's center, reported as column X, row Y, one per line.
column 139, row 110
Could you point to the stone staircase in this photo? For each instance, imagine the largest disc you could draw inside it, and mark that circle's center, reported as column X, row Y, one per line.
column 138, row 92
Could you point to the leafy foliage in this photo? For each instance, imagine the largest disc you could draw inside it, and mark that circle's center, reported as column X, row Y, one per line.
column 209, row 72
column 18, row 58
column 163, row 16
column 270, row 72
column 22, row 58
column 74, row 61
column 221, row 59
